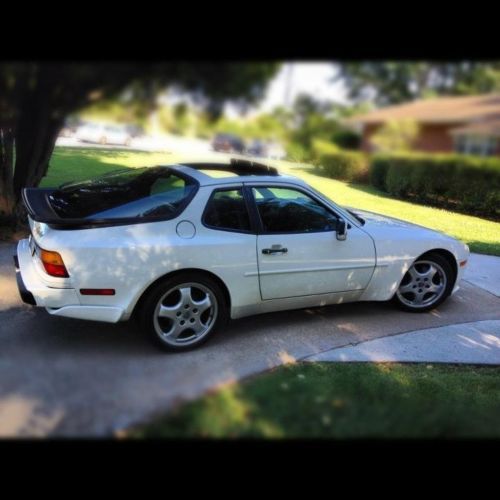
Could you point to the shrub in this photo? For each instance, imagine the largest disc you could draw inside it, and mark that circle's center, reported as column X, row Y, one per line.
column 320, row 147
column 398, row 179
column 338, row 164
column 396, row 135
column 378, row 172
column 297, row 152
column 347, row 139
column 464, row 182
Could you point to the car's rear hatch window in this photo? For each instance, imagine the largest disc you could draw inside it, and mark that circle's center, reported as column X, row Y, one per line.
column 149, row 192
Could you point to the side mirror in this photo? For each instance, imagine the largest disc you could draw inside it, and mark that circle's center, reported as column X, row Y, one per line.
column 341, row 230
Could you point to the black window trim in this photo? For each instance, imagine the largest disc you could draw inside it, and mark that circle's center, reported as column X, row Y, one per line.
column 232, row 187
column 260, row 226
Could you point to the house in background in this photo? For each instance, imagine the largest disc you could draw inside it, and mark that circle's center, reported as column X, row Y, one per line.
column 469, row 125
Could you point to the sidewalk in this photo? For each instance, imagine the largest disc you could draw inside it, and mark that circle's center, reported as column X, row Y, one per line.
column 469, row 343
column 484, row 272
column 475, row 342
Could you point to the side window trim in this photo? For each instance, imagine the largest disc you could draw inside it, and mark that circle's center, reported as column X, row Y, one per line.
column 240, row 187
column 255, row 211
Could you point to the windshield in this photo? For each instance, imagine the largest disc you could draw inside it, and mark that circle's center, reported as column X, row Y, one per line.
column 134, row 192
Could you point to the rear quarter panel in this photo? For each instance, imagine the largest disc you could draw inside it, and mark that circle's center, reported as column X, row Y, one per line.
column 130, row 258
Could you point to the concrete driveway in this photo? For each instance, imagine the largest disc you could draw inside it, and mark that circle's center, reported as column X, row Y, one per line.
column 67, row 377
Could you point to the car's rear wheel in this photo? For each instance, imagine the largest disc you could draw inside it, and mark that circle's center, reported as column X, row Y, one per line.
column 426, row 284
column 183, row 312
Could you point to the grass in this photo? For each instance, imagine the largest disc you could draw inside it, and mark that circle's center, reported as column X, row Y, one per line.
column 345, row 400
column 482, row 236
column 74, row 164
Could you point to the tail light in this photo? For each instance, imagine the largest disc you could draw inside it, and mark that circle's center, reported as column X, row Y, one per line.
column 53, row 263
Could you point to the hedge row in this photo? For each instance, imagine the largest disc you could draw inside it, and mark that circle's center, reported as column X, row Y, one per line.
column 338, row 164
column 465, row 183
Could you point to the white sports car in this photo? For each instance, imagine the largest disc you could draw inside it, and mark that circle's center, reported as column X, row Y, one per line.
column 185, row 247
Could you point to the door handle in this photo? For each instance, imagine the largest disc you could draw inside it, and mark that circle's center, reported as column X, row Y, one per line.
column 271, row 251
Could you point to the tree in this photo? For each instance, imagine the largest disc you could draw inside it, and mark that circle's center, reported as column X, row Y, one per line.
column 316, row 120
column 396, row 136
column 35, row 98
column 395, row 82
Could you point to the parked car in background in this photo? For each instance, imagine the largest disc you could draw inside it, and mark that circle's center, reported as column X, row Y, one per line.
column 183, row 250
column 104, row 133
column 257, row 148
column 275, row 151
column 70, row 127
column 135, row 130
column 228, row 143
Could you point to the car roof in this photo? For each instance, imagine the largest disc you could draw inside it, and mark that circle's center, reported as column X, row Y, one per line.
column 257, row 172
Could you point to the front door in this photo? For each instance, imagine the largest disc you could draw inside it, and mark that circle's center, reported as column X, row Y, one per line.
column 298, row 252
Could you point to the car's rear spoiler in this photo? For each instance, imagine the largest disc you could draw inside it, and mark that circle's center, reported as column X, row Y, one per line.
column 36, row 201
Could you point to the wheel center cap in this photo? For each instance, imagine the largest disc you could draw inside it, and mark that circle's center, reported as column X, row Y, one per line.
column 186, row 315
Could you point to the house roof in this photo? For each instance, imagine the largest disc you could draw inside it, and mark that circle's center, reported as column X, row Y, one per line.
column 490, row 128
column 436, row 110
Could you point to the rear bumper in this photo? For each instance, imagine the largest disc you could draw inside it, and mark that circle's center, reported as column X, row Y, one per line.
column 57, row 301
column 26, row 295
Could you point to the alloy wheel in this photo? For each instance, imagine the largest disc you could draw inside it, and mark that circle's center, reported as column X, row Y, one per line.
column 185, row 314
column 422, row 285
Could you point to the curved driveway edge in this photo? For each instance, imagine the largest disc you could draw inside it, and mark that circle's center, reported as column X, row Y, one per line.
column 477, row 342
column 66, row 377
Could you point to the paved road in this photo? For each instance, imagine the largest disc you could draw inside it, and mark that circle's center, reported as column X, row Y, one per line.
column 68, row 377
column 163, row 142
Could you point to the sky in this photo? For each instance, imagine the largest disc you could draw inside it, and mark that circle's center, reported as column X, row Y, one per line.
column 313, row 78
column 294, row 78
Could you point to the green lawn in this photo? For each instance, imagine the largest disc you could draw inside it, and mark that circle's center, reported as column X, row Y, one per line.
column 345, row 400
column 481, row 235
column 68, row 164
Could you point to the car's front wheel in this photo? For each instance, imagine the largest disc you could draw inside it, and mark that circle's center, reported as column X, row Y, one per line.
column 427, row 283
column 183, row 312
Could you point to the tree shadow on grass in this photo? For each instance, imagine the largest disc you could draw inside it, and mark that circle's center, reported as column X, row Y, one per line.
column 76, row 164
column 316, row 171
column 351, row 400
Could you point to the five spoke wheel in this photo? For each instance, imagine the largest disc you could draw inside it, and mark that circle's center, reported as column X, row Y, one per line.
column 423, row 285
column 185, row 314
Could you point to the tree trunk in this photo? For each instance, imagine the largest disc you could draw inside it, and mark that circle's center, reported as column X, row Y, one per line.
column 7, row 197
column 34, row 147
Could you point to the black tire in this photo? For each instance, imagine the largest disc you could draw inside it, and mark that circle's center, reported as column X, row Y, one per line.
column 448, row 287
column 149, row 321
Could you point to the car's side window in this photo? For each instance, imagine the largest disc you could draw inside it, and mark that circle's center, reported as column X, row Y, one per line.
column 226, row 210
column 284, row 210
